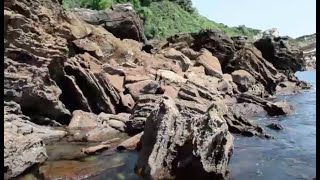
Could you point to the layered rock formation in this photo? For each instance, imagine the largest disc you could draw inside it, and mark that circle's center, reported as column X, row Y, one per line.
column 97, row 79
column 184, row 145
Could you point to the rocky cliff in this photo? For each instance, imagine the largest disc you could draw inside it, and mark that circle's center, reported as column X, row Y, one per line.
column 74, row 69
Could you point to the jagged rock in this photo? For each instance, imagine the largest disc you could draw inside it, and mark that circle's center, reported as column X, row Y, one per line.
column 155, row 62
column 170, row 77
column 115, row 121
column 26, row 79
column 284, row 55
column 170, row 91
column 190, row 53
column 202, row 81
column 198, row 93
column 85, row 45
column 210, row 63
column 21, row 152
column 117, row 82
column 94, row 84
column 173, row 54
column 243, row 79
column 239, row 41
column 239, row 125
column 174, row 146
column 273, row 109
column 142, row 87
column 196, row 70
column 121, row 23
column 127, row 102
column 250, row 59
column 216, row 42
column 248, row 109
column 225, row 87
column 142, row 109
column 113, row 70
column 275, row 126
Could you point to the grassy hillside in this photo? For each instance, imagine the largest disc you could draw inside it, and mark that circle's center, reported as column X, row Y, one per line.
column 307, row 41
column 165, row 18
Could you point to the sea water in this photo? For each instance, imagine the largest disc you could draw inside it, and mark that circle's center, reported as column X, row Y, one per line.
column 292, row 152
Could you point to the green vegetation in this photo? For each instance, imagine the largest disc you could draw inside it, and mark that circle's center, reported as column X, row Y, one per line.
column 167, row 17
column 307, row 41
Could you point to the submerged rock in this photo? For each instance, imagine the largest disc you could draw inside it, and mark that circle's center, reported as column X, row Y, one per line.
column 275, row 126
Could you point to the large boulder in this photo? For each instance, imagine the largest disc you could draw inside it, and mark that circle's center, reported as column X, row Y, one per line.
column 174, row 146
column 210, row 63
column 83, row 119
column 86, row 126
column 180, row 58
column 142, row 87
column 121, row 22
column 243, row 79
column 283, row 54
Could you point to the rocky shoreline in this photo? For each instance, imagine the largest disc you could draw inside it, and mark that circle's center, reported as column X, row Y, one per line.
column 89, row 76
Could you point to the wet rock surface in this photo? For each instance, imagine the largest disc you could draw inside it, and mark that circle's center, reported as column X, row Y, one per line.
column 275, row 126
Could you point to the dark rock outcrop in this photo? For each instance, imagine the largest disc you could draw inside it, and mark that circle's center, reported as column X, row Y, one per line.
column 121, row 22
column 284, row 55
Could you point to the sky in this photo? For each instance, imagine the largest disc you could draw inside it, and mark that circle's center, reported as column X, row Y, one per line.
column 291, row 17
